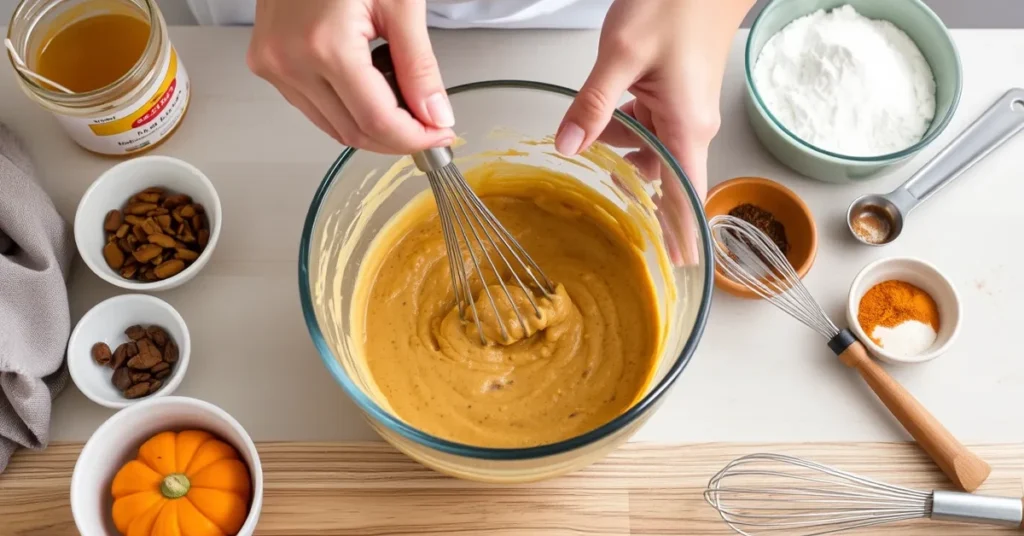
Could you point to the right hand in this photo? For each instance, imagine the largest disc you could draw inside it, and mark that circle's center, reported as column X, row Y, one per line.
column 317, row 54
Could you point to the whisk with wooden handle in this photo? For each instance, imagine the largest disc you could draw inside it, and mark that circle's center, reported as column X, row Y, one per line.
column 467, row 224
column 748, row 256
column 776, row 494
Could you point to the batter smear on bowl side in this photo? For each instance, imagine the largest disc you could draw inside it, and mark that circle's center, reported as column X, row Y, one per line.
column 584, row 362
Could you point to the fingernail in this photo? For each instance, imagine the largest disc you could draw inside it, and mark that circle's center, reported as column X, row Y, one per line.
column 569, row 139
column 440, row 111
column 447, row 142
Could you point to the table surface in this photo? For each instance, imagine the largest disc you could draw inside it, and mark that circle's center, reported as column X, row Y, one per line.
column 368, row 488
column 757, row 375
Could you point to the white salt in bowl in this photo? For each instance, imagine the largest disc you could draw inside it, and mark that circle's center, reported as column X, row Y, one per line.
column 922, row 275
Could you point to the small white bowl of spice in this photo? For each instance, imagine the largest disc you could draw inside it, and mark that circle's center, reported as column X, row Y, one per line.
column 904, row 310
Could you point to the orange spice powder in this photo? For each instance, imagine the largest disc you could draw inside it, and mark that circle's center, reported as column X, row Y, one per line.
column 891, row 303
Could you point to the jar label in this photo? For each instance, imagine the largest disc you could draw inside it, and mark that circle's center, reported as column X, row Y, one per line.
column 140, row 124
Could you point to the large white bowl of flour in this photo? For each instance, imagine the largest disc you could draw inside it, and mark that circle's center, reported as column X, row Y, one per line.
column 841, row 90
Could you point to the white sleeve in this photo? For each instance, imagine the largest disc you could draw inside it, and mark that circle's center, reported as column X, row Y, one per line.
column 223, row 12
column 445, row 13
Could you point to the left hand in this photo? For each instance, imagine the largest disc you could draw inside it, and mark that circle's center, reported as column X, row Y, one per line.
column 671, row 55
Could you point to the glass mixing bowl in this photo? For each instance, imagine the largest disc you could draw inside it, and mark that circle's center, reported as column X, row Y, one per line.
column 516, row 121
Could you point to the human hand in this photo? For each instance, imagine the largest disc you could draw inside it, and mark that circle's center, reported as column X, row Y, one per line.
column 317, row 54
column 670, row 54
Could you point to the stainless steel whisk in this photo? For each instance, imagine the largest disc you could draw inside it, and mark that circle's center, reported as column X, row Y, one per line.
column 776, row 494
column 467, row 222
column 748, row 256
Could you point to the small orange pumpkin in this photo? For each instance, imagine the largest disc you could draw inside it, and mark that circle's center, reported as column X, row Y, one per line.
column 182, row 484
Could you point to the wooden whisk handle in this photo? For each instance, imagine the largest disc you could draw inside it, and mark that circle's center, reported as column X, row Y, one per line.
column 962, row 466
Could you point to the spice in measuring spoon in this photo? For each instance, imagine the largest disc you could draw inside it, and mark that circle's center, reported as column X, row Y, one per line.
column 872, row 226
column 900, row 317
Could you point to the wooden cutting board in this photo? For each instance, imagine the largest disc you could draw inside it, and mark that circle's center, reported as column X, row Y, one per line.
column 369, row 489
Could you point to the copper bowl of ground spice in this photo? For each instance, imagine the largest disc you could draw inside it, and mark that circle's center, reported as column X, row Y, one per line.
column 904, row 310
column 776, row 211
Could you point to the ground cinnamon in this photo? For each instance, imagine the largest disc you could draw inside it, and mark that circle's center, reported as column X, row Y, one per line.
column 765, row 222
column 891, row 303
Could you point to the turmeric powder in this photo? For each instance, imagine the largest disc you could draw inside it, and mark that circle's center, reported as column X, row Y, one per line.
column 891, row 303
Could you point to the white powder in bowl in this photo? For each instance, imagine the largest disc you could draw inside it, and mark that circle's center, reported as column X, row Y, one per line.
column 847, row 84
column 911, row 338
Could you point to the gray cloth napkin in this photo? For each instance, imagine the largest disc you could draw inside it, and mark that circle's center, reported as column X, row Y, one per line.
column 34, row 317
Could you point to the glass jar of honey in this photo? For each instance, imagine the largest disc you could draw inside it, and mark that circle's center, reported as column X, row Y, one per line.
column 129, row 88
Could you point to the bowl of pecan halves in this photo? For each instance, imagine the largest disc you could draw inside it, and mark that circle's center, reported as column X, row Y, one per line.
column 150, row 223
column 129, row 348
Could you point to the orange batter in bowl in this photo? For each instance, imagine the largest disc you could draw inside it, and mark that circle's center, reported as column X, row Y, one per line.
column 589, row 358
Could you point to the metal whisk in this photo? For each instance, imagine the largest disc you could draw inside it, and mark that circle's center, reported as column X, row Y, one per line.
column 748, row 256
column 466, row 222
column 777, row 494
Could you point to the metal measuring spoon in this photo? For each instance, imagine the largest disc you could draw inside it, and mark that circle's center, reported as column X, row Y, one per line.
column 877, row 220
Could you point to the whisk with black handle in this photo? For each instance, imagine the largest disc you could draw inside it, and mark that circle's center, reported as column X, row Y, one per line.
column 748, row 256
column 776, row 494
column 467, row 223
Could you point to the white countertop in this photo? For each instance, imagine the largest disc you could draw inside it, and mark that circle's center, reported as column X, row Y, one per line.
column 757, row 375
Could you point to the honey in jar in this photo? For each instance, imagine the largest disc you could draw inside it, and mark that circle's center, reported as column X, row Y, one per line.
column 94, row 52
column 129, row 88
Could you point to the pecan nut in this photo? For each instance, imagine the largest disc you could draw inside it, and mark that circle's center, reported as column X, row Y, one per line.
column 155, row 227
column 135, row 332
column 140, row 208
column 171, row 352
column 154, row 385
column 112, row 221
column 147, row 252
column 148, row 355
column 138, row 390
column 113, row 255
column 122, row 379
column 101, row 353
column 161, row 240
column 158, row 335
column 169, row 268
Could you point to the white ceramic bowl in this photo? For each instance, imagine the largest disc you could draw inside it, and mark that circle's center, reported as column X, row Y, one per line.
column 117, row 441
column 918, row 273
column 106, row 322
column 113, row 188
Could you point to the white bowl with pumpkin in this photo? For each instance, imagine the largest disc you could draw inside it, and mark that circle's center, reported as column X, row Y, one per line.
column 166, row 466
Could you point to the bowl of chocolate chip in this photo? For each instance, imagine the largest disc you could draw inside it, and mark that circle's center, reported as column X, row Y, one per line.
column 149, row 223
column 776, row 211
column 129, row 348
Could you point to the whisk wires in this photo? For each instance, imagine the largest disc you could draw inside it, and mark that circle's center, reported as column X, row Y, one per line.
column 466, row 221
column 777, row 494
column 463, row 215
column 748, row 256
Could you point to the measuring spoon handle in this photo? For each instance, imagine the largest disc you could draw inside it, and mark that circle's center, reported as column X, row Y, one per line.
column 999, row 123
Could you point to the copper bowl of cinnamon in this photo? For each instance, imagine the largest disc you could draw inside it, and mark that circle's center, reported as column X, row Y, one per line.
column 775, row 210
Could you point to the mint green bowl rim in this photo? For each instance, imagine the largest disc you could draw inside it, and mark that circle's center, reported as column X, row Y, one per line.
column 933, row 133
